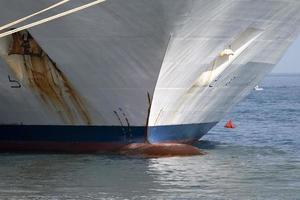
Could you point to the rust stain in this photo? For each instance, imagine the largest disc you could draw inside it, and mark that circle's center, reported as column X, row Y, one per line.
column 36, row 69
column 160, row 150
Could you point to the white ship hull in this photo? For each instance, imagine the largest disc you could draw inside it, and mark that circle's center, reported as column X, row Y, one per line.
column 159, row 70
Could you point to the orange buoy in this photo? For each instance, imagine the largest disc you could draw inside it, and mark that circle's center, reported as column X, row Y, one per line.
column 229, row 124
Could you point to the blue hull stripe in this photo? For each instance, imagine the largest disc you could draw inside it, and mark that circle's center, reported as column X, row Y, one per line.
column 71, row 133
column 180, row 133
column 102, row 134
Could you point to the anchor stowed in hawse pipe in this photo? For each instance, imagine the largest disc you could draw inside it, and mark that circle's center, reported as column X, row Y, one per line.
column 228, row 56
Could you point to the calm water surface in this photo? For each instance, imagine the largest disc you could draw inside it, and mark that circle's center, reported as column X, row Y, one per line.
column 260, row 159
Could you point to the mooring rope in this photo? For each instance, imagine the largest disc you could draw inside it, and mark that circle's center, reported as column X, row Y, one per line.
column 48, row 19
column 32, row 15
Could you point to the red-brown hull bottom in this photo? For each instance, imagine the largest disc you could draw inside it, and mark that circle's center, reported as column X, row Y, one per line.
column 137, row 149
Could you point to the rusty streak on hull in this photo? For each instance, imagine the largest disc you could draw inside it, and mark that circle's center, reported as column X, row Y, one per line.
column 34, row 68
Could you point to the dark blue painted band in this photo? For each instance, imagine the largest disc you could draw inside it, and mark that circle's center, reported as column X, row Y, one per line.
column 104, row 134
column 181, row 133
column 71, row 133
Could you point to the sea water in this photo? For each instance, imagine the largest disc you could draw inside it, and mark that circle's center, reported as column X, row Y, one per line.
column 260, row 159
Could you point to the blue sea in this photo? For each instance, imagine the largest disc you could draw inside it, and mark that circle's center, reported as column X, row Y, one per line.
column 260, row 159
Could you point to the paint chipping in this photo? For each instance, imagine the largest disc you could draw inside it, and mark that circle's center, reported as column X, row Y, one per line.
column 37, row 71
